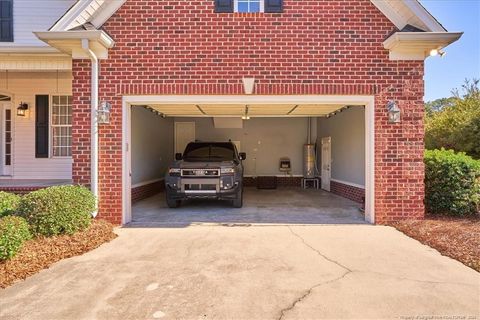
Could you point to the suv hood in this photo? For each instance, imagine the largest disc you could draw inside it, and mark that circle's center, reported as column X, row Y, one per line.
column 203, row 165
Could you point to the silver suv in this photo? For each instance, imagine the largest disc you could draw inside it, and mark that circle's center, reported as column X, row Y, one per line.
column 206, row 170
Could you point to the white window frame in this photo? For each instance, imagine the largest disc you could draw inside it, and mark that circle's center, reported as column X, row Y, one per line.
column 52, row 126
column 235, row 6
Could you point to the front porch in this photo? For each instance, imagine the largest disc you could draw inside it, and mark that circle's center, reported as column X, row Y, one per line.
column 23, row 186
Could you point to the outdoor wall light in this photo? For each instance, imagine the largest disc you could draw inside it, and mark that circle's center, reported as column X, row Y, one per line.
column 436, row 52
column 248, row 85
column 103, row 113
column 394, row 112
column 22, row 109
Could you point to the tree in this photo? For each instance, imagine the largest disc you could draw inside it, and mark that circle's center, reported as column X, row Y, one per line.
column 454, row 123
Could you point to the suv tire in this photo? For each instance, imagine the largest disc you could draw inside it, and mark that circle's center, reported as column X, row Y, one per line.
column 172, row 203
column 238, row 202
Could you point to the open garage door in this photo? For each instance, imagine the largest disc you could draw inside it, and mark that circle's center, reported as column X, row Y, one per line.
column 270, row 130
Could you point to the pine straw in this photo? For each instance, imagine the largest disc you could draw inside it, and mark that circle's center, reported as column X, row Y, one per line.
column 41, row 253
column 456, row 238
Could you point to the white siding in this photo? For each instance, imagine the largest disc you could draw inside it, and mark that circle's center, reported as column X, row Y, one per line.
column 35, row 15
column 23, row 86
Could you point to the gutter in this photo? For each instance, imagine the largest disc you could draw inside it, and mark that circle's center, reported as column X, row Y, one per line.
column 94, row 122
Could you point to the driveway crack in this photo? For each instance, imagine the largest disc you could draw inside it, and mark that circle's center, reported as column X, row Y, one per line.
column 318, row 252
column 305, row 294
column 292, row 306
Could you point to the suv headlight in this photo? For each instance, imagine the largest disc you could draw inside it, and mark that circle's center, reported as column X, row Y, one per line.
column 227, row 171
column 174, row 171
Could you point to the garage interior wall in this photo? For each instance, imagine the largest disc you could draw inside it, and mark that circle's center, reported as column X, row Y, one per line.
column 347, row 130
column 152, row 145
column 265, row 140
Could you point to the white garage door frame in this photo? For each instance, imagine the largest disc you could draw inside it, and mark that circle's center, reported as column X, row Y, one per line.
column 367, row 101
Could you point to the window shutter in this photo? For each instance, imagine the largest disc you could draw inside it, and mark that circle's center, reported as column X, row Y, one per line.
column 223, row 6
column 41, row 126
column 273, row 6
column 6, row 21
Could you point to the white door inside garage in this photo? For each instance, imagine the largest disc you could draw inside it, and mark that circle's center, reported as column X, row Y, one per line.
column 268, row 128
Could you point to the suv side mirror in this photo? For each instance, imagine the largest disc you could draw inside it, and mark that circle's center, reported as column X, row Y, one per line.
column 178, row 156
column 242, row 155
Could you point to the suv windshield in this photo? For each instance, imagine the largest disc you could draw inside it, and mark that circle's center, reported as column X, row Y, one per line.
column 204, row 151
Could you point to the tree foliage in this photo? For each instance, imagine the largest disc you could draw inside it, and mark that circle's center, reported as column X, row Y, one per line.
column 454, row 123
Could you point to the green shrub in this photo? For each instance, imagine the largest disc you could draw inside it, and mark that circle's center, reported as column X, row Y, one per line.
column 452, row 183
column 58, row 210
column 8, row 203
column 13, row 233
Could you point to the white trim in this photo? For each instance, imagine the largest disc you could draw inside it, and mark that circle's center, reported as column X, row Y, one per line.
column 51, row 146
column 417, row 45
column 7, row 170
column 424, row 16
column 424, row 20
column 85, row 8
column 262, row 7
column 348, row 183
column 367, row 101
column 101, row 16
column 391, row 14
column 246, row 99
column 93, row 35
column 144, row 183
column 71, row 15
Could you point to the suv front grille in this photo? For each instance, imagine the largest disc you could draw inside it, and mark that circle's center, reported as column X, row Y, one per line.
column 200, row 172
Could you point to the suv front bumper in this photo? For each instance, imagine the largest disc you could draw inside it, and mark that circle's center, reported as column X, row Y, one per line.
column 220, row 194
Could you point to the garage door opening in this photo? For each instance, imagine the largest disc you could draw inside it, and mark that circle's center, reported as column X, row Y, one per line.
column 273, row 135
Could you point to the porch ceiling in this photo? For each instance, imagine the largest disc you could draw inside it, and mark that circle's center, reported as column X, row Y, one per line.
column 239, row 110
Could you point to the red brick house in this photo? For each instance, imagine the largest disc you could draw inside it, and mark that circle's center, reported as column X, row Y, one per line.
column 279, row 63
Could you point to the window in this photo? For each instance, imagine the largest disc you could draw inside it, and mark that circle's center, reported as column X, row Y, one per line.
column 249, row 5
column 6, row 21
column 61, row 126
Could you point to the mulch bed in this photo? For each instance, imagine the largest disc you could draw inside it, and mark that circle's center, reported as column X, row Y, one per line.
column 457, row 238
column 41, row 253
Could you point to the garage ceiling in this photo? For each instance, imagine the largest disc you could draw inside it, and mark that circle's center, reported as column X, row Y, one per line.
column 240, row 110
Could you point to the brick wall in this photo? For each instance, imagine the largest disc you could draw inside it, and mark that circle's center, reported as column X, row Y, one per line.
column 147, row 190
column 347, row 191
column 321, row 47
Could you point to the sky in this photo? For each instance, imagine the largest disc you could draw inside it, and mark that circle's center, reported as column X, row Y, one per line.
column 462, row 60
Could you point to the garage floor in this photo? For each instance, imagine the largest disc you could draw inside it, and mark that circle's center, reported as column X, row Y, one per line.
column 281, row 206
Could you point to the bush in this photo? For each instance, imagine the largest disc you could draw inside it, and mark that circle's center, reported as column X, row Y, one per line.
column 8, row 203
column 58, row 210
column 452, row 183
column 13, row 233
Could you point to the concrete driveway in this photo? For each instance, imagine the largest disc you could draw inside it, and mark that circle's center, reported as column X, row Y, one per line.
column 258, row 272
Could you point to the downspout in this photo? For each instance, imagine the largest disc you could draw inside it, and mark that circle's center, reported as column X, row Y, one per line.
column 94, row 122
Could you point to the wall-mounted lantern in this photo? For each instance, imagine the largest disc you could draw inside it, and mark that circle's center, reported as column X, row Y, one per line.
column 22, row 109
column 103, row 112
column 394, row 112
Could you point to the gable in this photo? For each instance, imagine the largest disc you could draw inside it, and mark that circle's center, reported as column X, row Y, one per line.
column 400, row 12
